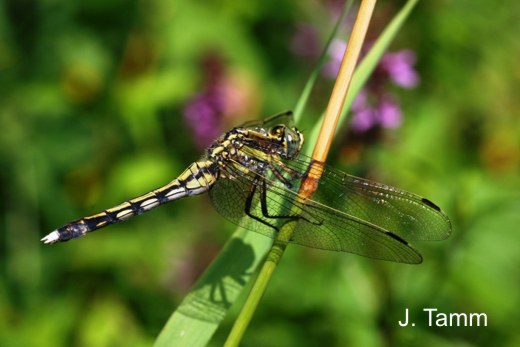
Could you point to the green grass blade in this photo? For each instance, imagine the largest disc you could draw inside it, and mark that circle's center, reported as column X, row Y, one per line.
column 202, row 310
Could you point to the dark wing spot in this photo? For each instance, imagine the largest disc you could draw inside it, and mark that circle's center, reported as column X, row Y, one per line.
column 431, row 204
column 398, row 238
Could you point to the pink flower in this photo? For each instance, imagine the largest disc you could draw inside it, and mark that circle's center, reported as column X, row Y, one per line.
column 399, row 66
column 389, row 113
column 375, row 106
column 386, row 113
column 336, row 51
column 203, row 114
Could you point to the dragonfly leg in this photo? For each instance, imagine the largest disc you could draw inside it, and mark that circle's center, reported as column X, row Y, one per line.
column 276, row 171
column 265, row 211
column 280, row 177
column 291, row 171
column 263, row 204
column 248, row 205
column 264, row 207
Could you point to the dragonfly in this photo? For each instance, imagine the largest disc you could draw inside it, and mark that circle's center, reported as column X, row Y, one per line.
column 253, row 174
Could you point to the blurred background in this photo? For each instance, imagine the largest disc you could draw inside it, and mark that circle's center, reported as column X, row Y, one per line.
column 101, row 101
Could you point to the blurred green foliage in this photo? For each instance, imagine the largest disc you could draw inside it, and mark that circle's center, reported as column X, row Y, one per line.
column 91, row 102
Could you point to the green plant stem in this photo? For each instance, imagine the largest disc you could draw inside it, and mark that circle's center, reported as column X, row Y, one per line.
column 260, row 285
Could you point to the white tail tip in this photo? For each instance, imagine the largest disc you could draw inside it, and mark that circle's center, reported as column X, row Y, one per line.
column 51, row 238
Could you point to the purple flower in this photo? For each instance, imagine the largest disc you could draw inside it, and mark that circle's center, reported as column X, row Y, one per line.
column 336, row 52
column 362, row 114
column 399, row 66
column 203, row 114
column 226, row 95
column 386, row 113
column 375, row 106
column 389, row 114
column 363, row 120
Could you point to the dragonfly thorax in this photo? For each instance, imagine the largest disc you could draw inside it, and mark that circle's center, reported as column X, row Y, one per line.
column 280, row 140
column 252, row 148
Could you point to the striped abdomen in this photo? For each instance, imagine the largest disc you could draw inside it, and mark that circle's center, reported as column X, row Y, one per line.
column 196, row 179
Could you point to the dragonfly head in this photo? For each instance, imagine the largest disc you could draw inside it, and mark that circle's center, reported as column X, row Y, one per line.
column 290, row 139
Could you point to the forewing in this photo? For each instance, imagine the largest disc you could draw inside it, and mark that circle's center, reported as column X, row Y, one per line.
column 277, row 119
column 410, row 216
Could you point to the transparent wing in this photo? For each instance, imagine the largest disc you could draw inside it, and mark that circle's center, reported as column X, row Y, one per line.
column 277, row 119
column 230, row 198
column 340, row 232
column 319, row 226
column 406, row 214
